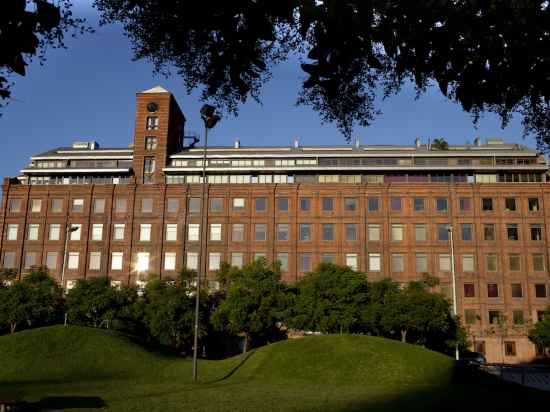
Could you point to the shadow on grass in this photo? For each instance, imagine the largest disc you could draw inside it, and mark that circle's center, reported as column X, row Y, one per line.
column 63, row 402
column 233, row 370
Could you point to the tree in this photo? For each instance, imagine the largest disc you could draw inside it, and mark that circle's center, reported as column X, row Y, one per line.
column 35, row 300
column 440, row 144
column 487, row 56
column 27, row 29
column 540, row 333
column 254, row 303
column 331, row 300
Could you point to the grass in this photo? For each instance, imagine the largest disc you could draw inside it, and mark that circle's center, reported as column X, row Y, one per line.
column 59, row 368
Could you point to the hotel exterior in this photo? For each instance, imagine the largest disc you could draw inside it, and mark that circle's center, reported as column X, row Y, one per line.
column 382, row 210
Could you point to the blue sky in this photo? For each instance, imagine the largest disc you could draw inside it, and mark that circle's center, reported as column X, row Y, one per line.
column 87, row 92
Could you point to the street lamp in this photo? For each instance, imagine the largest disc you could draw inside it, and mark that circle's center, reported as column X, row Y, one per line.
column 210, row 119
column 69, row 228
column 454, row 282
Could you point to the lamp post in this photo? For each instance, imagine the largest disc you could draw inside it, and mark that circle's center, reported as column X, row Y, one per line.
column 210, row 118
column 69, row 228
column 453, row 277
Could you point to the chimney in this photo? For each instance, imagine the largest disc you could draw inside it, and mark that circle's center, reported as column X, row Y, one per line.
column 417, row 142
column 237, row 144
column 477, row 141
column 357, row 143
column 296, row 143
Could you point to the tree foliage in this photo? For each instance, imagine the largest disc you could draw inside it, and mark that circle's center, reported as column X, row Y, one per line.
column 487, row 56
column 540, row 333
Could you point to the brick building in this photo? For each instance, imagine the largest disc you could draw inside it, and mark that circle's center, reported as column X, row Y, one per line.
column 382, row 210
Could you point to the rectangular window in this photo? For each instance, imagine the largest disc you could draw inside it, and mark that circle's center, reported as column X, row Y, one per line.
column 421, row 263
column 238, row 204
column 374, row 232
column 512, row 231
column 194, row 205
column 418, row 204
column 33, row 231
column 193, row 232
column 36, row 205
column 470, row 316
column 487, row 204
column 373, row 204
column 536, row 232
column 237, row 259
column 99, row 206
column 350, row 204
column 192, row 261
column 351, row 232
column 510, row 204
column 443, row 232
column 375, row 263
column 237, row 232
column 395, row 204
column 491, row 263
column 97, row 231
column 466, row 232
column 351, row 261
column 119, row 231
column 57, row 205
column 305, row 204
column 510, row 348
column 13, row 229
column 216, row 205
column 489, row 231
column 397, row 232
column 441, row 204
column 171, row 232
column 170, row 261
column 305, row 232
column 492, row 290
column 328, row 258
column 260, row 204
column 328, row 204
column 142, row 262
column 467, row 263
column 282, row 204
column 444, row 263
column 533, row 203
column 465, row 204
column 150, row 143
column 51, row 260
column 260, row 232
column 78, row 205
column 259, row 255
column 517, row 290
column 8, row 261
column 420, row 233
column 282, row 231
column 116, row 260
column 328, row 231
column 15, row 205
column 121, row 205
column 55, row 231
column 469, row 290
column 216, row 231
column 305, row 262
column 282, row 258
column 540, row 290
column 72, row 263
column 77, row 232
column 145, row 232
column 397, row 262
column 172, row 205
column 152, row 123
column 538, row 262
column 30, row 260
column 95, row 261
column 146, row 205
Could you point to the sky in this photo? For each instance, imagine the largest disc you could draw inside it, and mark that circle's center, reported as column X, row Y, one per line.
column 87, row 92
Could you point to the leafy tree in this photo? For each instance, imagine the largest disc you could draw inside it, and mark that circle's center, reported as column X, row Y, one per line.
column 540, row 333
column 380, row 293
column 35, row 300
column 487, row 56
column 27, row 29
column 440, row 144
column 254, row 302
column 94, row 302
column 331, row 300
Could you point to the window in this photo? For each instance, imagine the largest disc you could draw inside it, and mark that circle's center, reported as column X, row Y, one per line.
column 237, row 259
column 282, row 204
column 533, row 203
column 514, row 262
column 216, row 205
column 146, row 205
column 15, row 205
column 305, row 232
column 469, row 290
column 536, row 232
column 282, row 231
column 510, row 348
column 33, row 231
column 216, row 231
column 441, row 204
column 305, row 204
column 489, row 231
column 97, row 231
column 517, row 290
column 466, row 232
column 510, row 204
column 373, row 204
column 260, row 232
column 491, row 263
column 194, row 205
column 12, row 231
column 512, row 231
column 495, row 317
column 282, row 258
column 395, row 204
column 171, row 232
column 142, row 262
column 492, row 290
column 465, row 204
column 467, row 263
column 150, row 143
column 397, row 232
column 238, row 204
column 420, row 232
column 145, row 232
column 119, row 231
column 152, row 123
column 95, row 261
column 328, row 231
column 51, row 260
column 418, row 204
column 443, row 232
column 374, row 262
column 351, row 261
column 9, row 260
column 305, row 262
column 487, row 204
column 99, row 206
column 444, row 263
column 121, row 205
column 193, row 232
column 76, row 234
column 480, row 346
column 36, row 205
column 538, row 262
column 237, row 232
column 192, row 261
column 327, row 204
column 374, row 232
column 351, row 232
column 170, row 261
column 421, row 263
column 30, row 260
column 172, row 205
column 116, row 260
column 260, row 204
column 259, row 255
column 470, row 316
column 328, row 258
column 397, row 262
column 350, row 204
column 57, row 205
column 73, row 260
column 78, row 205
column 540, row 290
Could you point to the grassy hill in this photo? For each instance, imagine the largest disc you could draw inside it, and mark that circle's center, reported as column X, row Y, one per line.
column 61, row 368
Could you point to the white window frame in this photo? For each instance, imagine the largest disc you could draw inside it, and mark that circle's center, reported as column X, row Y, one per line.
column 171, row 232
column 54, row 232
column 214, row 260
column 192, row 261
column 216, row 231
column 170, row 261
column 117, row 260
column 73, row 260
column 145, row 232
column 33, row 231
column 95, row 261
column 193, row 232
column 77, row 234
column 118, row 229
column 97, row 232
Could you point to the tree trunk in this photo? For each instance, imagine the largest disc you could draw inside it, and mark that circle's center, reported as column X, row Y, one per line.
column 13, row 326
column 246, row 342
column 404, row 336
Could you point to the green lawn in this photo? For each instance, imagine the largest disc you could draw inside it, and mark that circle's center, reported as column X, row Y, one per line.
column 61, row 368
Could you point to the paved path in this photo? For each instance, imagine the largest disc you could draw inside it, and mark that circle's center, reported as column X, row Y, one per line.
column 538, row 378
